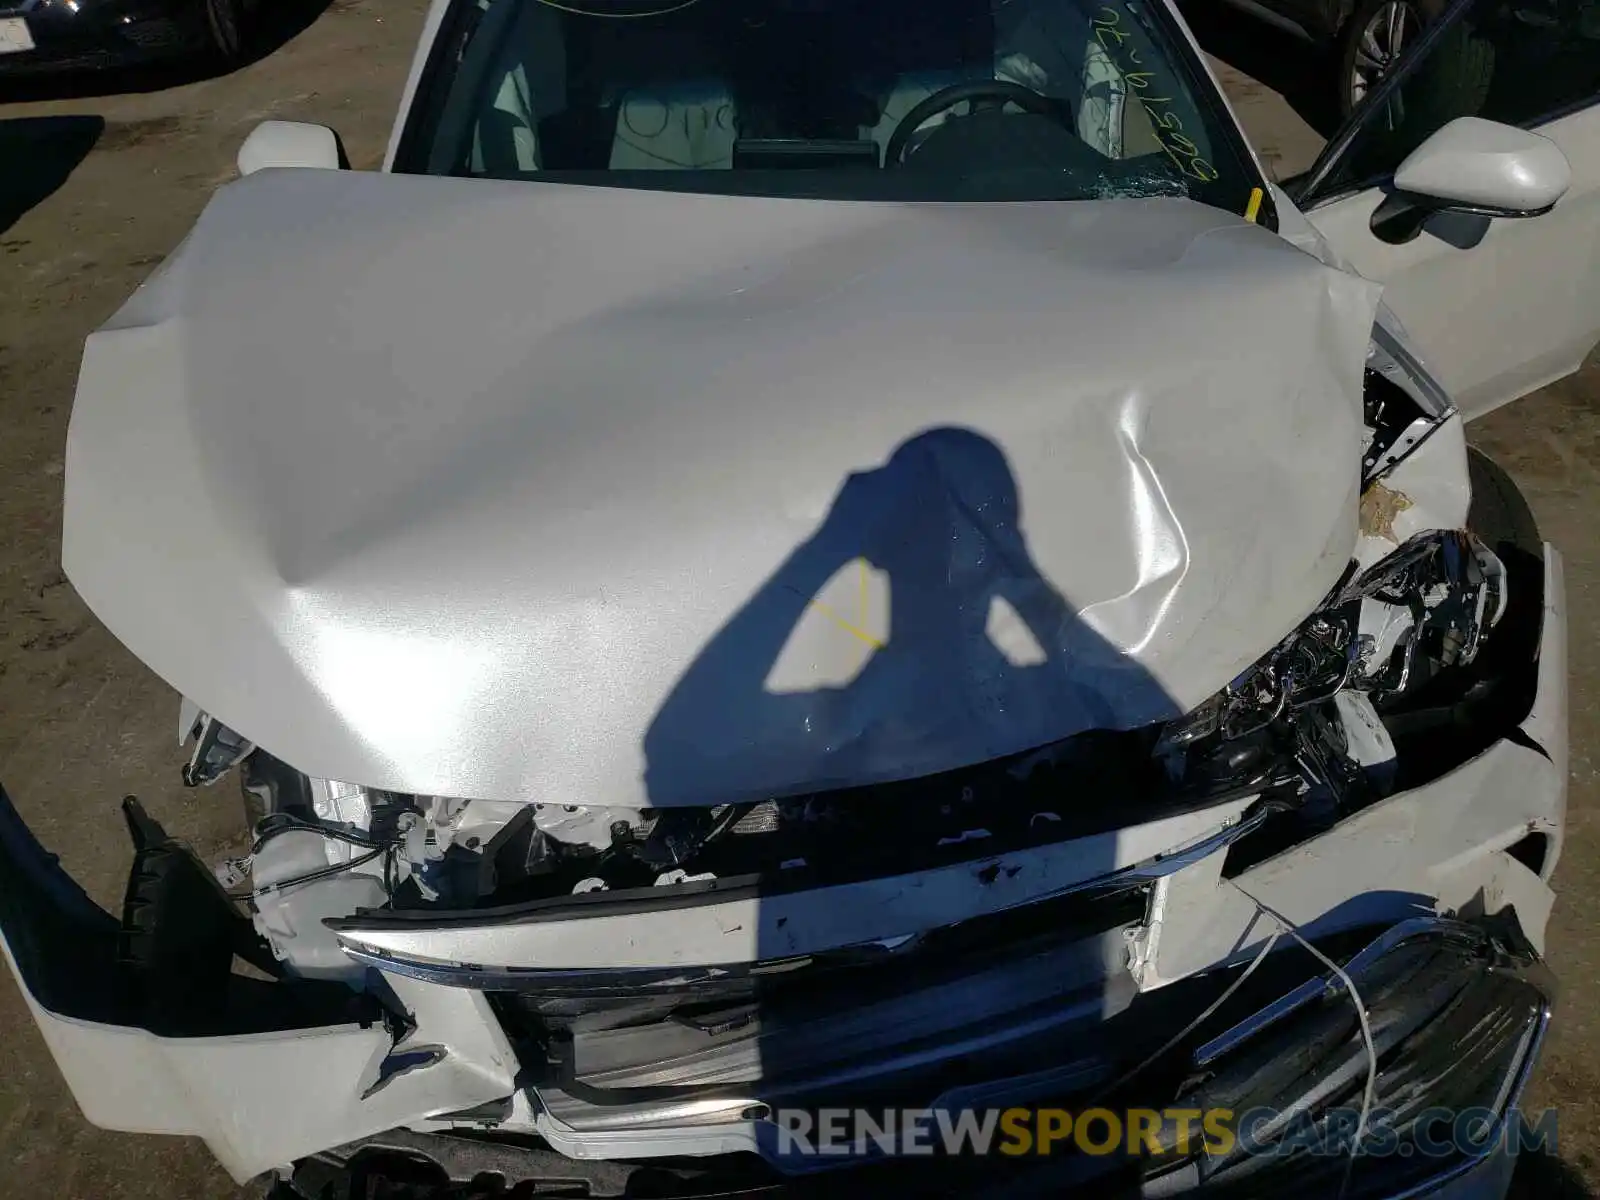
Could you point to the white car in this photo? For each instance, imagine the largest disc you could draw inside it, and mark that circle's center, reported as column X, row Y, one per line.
column 796, row 558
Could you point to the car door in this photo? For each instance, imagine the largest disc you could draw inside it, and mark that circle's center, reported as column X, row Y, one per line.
column 1497, row 307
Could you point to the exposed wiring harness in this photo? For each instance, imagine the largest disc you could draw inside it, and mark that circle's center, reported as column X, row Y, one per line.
column 323, row 873
column 281, row 823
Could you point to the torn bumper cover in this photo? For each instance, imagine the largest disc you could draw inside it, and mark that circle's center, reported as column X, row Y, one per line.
column 532, row 1046
column 1456, row 1012
column 1449, row 1020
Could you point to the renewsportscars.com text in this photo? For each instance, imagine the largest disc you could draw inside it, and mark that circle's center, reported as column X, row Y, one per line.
column 1149, row 1132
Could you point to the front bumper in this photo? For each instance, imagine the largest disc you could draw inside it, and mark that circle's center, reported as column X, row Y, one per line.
column 1456, row 1021
column 238, row 1076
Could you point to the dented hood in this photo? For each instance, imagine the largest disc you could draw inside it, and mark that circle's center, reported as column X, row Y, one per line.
column 590, row 495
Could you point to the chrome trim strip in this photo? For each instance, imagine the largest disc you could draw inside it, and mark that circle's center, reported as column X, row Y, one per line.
column 711, row 941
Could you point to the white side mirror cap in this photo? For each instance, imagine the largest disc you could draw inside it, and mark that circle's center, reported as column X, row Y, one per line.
column 289, row 144
column 1488, row 166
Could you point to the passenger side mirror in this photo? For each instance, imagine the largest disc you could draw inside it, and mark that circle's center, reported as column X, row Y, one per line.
column 1477, row 167
column 290, row 144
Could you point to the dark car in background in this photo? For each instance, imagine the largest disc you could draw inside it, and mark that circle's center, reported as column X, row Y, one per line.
column 38, row 36
column 1365, row 36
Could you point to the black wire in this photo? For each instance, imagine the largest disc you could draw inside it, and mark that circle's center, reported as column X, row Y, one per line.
column 313, row 876
column 283, row 822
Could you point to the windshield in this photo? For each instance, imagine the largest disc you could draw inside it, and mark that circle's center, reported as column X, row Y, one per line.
column 843, row 99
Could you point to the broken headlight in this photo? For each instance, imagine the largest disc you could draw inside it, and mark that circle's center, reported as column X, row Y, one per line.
column 1423, row 609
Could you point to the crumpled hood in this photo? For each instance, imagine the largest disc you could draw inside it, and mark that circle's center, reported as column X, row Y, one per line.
column 588, row 495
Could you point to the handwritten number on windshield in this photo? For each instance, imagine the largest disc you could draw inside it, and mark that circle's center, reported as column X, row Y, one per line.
column 1168, row 125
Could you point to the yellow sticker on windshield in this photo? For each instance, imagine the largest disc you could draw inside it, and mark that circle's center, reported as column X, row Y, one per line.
column 1253, row 209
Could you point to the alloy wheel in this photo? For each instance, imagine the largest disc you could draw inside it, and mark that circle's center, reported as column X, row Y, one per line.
column 1382, row 39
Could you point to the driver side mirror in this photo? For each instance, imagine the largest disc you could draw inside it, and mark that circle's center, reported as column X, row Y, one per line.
column 290, row 144
column 1477, row 167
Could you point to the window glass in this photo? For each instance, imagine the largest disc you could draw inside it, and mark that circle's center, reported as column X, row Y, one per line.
column 839, row 99
column 1516, row 61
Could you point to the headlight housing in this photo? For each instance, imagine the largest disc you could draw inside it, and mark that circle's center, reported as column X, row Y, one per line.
column 1425, row 608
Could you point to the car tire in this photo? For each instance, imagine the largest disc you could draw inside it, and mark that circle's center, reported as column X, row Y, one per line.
column 225, row 29
column 1499, row 513
column 1460, row 70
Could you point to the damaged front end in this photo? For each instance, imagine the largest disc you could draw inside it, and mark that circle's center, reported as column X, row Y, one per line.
column 1245, row 1081
column 1182, row 737
column 1316, row 897
column 772, row 1080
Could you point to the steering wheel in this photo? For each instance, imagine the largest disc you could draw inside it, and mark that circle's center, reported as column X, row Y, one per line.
column 998, row 91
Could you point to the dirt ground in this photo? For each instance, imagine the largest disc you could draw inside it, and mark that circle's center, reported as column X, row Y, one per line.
column 100, row 179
